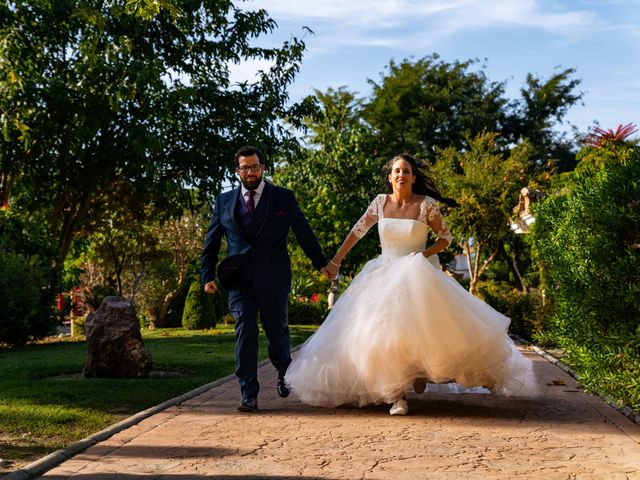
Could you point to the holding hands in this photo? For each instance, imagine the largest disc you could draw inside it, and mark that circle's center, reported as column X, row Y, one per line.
column 331, row 269
column 211, row 287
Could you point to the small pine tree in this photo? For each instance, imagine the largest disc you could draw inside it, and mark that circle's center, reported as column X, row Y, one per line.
column 199, row 312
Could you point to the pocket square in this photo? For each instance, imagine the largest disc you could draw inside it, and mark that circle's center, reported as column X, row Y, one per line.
column 280, row 213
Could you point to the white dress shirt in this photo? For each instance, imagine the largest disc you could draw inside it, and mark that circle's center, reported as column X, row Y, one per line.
column 256, row 196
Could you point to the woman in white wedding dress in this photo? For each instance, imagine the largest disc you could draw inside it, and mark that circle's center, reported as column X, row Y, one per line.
column 402, row 319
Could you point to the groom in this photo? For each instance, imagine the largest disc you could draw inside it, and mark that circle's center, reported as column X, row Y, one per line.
column 255, row 219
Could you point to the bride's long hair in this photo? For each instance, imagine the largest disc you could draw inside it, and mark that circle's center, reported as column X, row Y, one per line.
column 424, row 184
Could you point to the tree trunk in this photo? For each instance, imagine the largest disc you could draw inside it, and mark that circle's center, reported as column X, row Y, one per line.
column 71, row 208
column 164, row 308
column 514, row 266
column 118, row 263
column 70, row 220
column 467, row 253
column 10, row 172
column 166, row 301
column 160, row 319
column 477, row 270
column 137, row 278
column 7, row 184
column 474, row 267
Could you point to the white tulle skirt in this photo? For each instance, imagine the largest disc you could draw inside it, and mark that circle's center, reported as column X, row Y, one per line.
column 401, row 319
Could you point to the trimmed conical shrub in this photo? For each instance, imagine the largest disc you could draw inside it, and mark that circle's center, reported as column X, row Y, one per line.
column 198, row 313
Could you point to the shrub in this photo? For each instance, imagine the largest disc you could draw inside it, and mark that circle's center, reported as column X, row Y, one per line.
column 22, row 315
column 220, row 301
column 587, row 243
column 78, row 326
column 306, row 312
column 521, row 308
column 609, row 365
column 199, row 312
column 27, row 287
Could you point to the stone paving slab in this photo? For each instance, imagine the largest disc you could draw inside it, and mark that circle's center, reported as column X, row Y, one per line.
column 560, row 434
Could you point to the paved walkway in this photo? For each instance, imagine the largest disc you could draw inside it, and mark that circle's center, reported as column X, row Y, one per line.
column 562, row 434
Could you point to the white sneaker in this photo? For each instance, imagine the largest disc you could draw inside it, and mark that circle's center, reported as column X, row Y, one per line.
column 400, row 407
column 419, row 385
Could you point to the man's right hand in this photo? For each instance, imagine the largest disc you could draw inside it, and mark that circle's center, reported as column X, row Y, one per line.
column 211, row 287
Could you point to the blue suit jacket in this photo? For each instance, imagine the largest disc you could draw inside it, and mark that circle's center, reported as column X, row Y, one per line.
column 265, row 258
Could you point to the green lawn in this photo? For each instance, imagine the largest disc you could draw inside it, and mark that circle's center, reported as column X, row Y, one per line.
column 46, row 403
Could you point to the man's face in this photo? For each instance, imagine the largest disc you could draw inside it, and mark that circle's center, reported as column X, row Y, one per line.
column 250, row 171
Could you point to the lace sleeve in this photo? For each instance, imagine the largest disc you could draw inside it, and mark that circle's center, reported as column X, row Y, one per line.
column 432, row 216
column 370, row 217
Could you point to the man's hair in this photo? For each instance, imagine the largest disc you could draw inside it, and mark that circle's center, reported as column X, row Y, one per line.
column 247, row 151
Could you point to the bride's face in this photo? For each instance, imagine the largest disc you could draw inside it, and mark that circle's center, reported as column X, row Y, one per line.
column 401, row 176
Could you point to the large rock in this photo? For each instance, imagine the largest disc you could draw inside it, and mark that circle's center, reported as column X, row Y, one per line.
column 115, row 348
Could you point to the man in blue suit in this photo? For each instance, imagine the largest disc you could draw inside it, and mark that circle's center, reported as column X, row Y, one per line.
column 255, row 218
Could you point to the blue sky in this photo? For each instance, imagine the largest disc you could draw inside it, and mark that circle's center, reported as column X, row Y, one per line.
column 355, row 39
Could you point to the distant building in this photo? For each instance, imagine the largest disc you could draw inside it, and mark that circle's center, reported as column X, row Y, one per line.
column 459, row 267
column 522, row 216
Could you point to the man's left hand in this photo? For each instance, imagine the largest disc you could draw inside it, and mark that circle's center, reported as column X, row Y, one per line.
column 326, row 272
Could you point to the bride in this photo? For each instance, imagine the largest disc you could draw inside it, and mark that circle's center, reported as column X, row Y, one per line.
column 402, row 320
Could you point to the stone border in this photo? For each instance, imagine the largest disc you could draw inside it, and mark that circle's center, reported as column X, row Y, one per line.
column 626, row 410
column 54, row 459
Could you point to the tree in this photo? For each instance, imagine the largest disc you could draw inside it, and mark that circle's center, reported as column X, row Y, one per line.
column 124, row 246
column 486, row 183
column 150, row 8
column 340, row 175
column 99, row 103
column 418, row 107
column 181, row 239
column 148, row 259
column 421, row 106
column 535, row 117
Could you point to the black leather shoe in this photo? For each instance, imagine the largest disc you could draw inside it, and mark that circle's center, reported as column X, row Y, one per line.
column 248, row 405
column 281, row 386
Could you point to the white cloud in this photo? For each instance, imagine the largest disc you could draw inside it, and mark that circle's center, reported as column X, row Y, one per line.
column 598, row 38
column 247, row 70
column 391, row 22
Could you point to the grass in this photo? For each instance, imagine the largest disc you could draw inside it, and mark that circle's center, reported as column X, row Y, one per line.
column 46, row 403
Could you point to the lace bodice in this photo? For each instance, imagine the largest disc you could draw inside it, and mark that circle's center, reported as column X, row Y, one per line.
column 401, row 236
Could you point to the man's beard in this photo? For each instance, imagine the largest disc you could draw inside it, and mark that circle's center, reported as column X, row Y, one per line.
column 251, row 184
